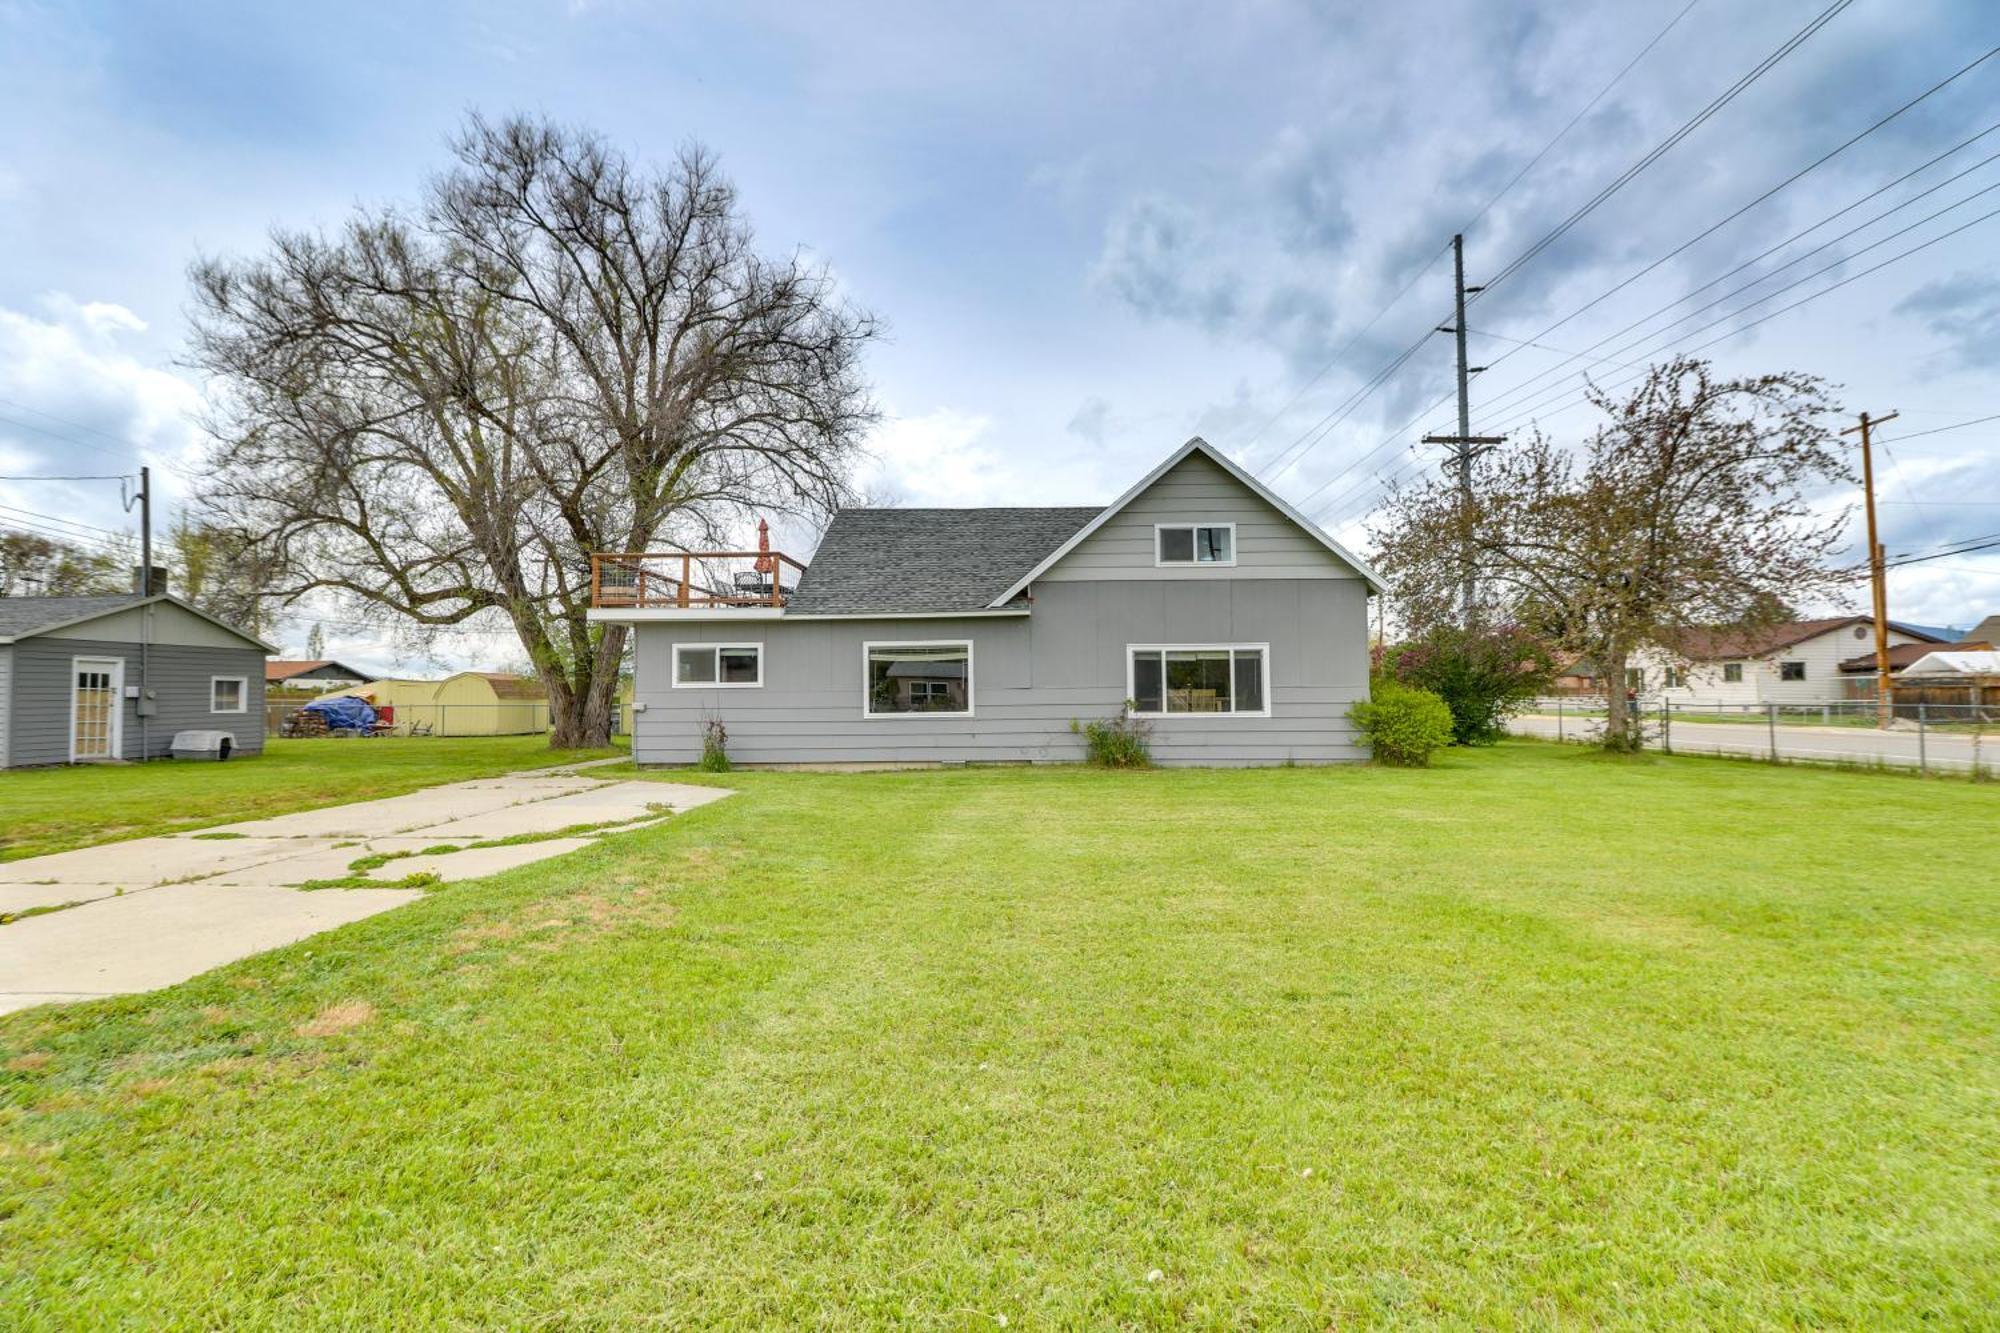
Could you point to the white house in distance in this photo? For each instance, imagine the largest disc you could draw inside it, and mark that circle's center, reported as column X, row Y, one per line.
column 1794, row 662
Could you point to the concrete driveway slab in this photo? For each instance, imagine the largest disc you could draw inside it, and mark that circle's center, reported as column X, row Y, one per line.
column 142, row 941
column 190, row 903
column 477, row 862
column 25, row 897
column 143, row 862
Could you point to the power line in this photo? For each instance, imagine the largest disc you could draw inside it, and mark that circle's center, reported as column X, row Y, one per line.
column 1939, row 430
column 1517, row 389
column 1814, row 296
column 1484, row 208
column 1667, row 145
column 51, row 518
column 1588, row 107
column 1843, row 261
column 1346, row 347
column 1789, row 181
column 1626, row 177
column 127, row 476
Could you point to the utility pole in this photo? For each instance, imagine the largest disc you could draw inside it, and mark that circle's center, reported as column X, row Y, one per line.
column 145, row 532
column 1465, row 446
column 1877, row 575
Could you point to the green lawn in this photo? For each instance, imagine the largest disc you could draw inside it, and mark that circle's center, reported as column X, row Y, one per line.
column 52, row 809
column 1539, row 1038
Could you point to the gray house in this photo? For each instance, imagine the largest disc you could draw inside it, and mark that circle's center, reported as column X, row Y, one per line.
column 977, row 635
column 94, row 678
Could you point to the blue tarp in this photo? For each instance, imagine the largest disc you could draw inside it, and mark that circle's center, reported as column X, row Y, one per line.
column 344, row 713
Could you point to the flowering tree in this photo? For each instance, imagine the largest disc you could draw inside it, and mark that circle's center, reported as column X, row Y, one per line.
column 1685, row 509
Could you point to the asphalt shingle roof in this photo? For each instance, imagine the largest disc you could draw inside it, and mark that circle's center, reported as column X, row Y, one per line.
column 892, row 561
column 27, row 615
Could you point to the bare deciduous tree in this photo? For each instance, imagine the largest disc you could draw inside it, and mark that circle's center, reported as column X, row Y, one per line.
column 36, row 566
column 1685, row 510
column 441, row 413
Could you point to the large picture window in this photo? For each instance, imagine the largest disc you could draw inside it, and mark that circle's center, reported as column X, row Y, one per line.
column 1200, row 678
column 916, row 679
column 718, row 665
column 1194, row 543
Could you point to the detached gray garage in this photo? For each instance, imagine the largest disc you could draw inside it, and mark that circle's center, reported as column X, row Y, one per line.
column 97, row 678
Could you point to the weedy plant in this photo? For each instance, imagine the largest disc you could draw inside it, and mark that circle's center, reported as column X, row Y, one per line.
column 1124, row 741
column 714, row 746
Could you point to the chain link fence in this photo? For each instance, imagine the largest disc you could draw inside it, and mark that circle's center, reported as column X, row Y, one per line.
column 1940, row 737
column 523, row 717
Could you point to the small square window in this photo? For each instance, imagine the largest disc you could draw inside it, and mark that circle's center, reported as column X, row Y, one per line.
column 1732, row 673
column 228, row 694
column 1195, row 544
column 1791, row 671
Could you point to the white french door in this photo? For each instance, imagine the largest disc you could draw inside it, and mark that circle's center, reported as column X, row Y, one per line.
column 96, row 714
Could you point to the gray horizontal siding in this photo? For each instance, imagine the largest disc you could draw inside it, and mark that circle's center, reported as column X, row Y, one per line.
column 38, row 729
column 6, row 697
column 1031, row 676
column 1268, row 545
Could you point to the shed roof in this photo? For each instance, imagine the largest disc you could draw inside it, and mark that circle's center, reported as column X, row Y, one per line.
column 25, row 617
column 1900, row 656
column 896, row 561
column 1955, row 664
column 21, row 617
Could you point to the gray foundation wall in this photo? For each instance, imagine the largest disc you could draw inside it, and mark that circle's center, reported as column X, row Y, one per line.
column 1030, row 677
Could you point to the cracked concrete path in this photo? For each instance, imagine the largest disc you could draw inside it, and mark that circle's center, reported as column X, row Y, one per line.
column 151, row 912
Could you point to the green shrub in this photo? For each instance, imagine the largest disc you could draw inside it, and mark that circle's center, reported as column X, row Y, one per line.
column 1404, row 725
column 1122, row 742
column 1483, row 675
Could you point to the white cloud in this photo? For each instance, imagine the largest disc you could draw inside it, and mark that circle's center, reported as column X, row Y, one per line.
column 935, row 459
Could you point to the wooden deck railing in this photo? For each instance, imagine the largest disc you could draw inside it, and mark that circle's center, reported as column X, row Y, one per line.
column 691, row 579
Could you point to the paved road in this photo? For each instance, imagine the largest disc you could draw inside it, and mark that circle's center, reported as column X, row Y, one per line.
column 150, row 912
column 1951, row 751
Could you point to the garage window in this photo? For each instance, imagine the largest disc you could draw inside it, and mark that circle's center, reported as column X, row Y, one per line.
column 716, row 666
column 228, row 694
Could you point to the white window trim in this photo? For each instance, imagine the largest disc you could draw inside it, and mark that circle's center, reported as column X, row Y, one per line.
column 117, row 665
column 674, row 672
column 870, row 645
column 1132, row 650
column 1192, row 523
column 242, row 694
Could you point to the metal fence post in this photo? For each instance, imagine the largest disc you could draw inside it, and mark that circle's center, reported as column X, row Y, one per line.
column 1771, row 725
column 1559, row 716
column 1923, row 759
column 1666, row 727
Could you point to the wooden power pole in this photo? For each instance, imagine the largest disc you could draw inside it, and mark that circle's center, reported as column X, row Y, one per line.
column 1877, row 575
column 1465, row 446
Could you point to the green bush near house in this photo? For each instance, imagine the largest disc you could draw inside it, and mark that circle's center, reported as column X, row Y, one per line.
column 1123, row 741
column 1404, row 725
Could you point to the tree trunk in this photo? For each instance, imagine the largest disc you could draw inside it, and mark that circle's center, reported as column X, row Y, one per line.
column 581, row 709
column 1621, row 724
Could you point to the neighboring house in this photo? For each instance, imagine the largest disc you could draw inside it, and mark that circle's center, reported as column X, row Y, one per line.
column 978, row 635
column 97, row 678
column 470, row 703
column 1793, row 662
column 317, row 674
column 1986, row 631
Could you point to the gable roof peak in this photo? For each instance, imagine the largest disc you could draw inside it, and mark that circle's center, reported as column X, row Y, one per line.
column 1196, row 443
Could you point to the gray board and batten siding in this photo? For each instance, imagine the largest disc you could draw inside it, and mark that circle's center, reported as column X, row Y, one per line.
column 1058, row 653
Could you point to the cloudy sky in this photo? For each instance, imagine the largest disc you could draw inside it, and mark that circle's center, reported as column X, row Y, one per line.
column 1092, row 230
